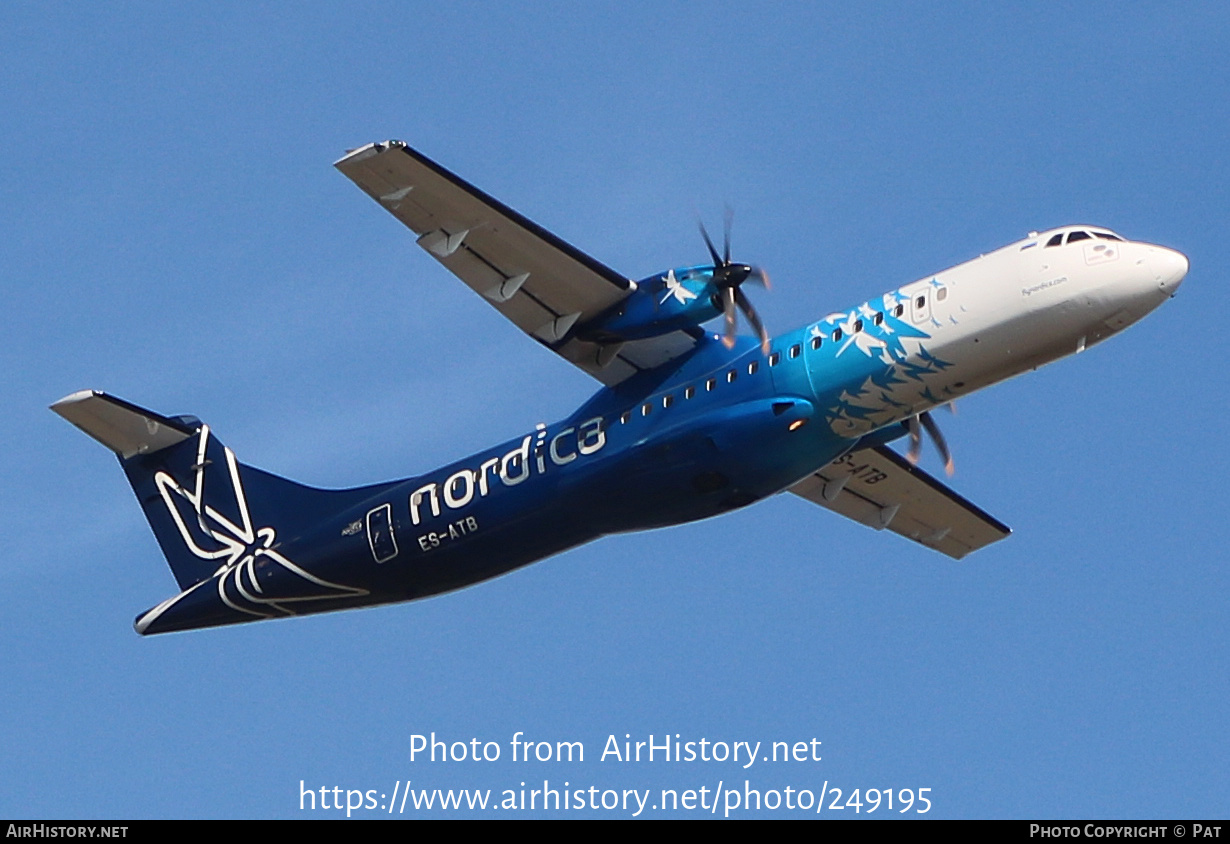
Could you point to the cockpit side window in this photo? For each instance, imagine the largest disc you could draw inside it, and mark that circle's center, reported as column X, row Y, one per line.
column 1108, row 236
column 1056, row 240
column 1075, row 236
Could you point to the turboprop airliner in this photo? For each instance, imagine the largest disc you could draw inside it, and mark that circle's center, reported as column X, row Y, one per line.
column 687, row 424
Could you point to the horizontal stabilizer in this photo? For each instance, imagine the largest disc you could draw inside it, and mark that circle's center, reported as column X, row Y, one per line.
column 124, row 428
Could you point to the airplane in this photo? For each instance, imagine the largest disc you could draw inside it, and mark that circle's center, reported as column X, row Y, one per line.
column 687, row 424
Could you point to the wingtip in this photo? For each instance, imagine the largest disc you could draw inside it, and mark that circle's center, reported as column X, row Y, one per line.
column 71, row 399
column 375, row 148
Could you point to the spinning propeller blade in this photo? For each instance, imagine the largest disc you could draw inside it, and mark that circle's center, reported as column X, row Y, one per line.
column 728, row 277
column 933, row 431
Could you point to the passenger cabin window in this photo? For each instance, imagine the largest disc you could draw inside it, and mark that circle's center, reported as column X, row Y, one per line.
column 878, row 319
column 689, row 392
column 731, row 376
column 646, row 408
column 710, row 384
column 796, row 349
column 815, row 342
column 625, row 417
column 899, row 310
column 836, row 334
column 752, row 367
column 774, row 358
column 941, row 294
column 667, row 401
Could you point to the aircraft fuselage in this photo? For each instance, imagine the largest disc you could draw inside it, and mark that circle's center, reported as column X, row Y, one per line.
column 713, row 430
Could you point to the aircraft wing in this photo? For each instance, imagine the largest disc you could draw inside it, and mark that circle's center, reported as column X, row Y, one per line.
column 544, row 285
column 877, row 487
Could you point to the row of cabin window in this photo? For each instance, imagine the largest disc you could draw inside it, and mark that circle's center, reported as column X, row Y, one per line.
column 731, row 376
column 920, row 301
column 775, row 358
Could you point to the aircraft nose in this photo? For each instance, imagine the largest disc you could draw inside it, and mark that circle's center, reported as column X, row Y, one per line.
column 1170, row 268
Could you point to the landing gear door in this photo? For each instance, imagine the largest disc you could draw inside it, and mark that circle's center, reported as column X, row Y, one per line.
column 380, row 533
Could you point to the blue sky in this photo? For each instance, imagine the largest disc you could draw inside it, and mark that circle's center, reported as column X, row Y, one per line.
column 173, row 232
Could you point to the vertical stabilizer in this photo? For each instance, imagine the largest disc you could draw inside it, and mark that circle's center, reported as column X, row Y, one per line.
column 213, row 516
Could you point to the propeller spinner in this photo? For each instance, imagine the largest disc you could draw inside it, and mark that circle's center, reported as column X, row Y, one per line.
column 728, row 278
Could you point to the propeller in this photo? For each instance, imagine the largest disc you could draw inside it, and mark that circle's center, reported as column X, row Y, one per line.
column 728, row 277
column 928, row 424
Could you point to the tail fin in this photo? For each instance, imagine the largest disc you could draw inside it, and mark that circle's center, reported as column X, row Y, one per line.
column 206, row 509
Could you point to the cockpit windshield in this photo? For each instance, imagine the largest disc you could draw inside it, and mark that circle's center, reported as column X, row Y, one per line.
column 1074, row 235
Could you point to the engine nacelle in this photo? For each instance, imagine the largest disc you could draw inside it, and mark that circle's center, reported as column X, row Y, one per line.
column 680, row 298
